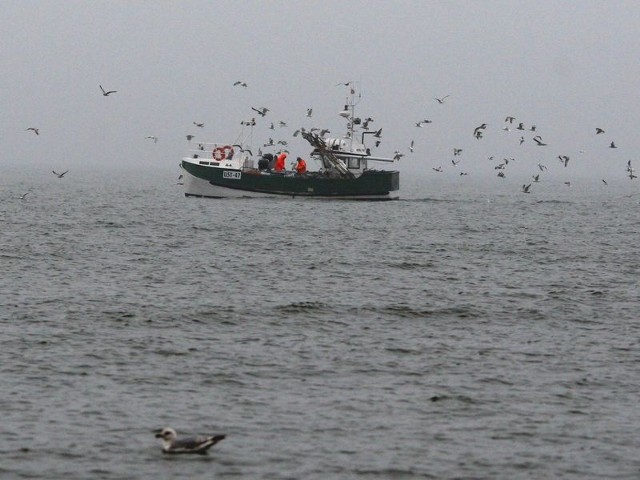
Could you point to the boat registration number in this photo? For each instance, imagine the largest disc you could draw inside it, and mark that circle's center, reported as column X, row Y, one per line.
column 231, row 175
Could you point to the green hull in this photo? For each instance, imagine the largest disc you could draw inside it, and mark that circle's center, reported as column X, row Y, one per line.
column 372, row 183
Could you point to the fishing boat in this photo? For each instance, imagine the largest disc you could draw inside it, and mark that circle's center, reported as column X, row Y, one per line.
column 221, row 170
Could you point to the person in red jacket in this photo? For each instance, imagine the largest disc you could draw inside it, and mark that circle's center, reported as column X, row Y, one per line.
column 280, row 162
column 301, row 166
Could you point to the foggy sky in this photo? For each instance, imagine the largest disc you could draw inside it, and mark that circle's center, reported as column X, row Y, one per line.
column 567, row 67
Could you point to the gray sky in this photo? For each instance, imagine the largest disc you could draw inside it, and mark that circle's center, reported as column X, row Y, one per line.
column 567, row 67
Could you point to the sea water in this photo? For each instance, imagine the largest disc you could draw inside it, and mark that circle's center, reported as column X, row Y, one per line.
column 463, row 331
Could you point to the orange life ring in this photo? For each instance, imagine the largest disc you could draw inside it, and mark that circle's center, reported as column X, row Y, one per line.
column 222, row 153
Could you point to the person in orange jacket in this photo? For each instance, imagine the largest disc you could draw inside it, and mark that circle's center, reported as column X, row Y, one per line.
column 301, row 166
column 280, row 162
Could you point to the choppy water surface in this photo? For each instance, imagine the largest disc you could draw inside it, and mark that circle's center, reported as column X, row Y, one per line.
column 452, row 334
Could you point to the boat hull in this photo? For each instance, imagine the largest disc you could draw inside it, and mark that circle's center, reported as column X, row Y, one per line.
column 215, row 182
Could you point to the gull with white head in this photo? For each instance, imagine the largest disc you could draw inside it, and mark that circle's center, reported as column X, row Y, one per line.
column 171, row 444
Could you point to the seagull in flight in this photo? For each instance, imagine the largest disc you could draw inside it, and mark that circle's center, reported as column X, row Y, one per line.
column 420, row 124
column 538, row 140
column 536, row 178
column 261, row 111
column 604, row 181
column 201, row 125
column 613, row 145
column 59, row 175
column 397, row 155
column 22, row 197
column 152, row 137
column 309, row 111
column 190, row 137
column 34, row 130
column 599, row 131
column 439, row 169
column 239, row 83
column 107, row 93
column 441, row 100
column 542, row 167
column 411, row 146
column 525, row 188
column 509, row 119
column 457, row 151
column 477, row 129
column 171, row 444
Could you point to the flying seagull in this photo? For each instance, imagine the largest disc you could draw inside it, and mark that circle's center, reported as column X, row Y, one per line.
column 239, row 83
column 261, row 111
column 60, row 175
column 525, row 188
column 309, row 111
column 198, row 124
column 509, row 119
column 151, row 137
column 457, row 151
column 613, row 145
column 34, row 130
column 441, row 100
column 599, row 130
column 106, row 93
column 604, row 181
column 189, row 137
column 171, row 444
column 23, row 195
column 477, row 129
column 411, row 146
column 538, row 140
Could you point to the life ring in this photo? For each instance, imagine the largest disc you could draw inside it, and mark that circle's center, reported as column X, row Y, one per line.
column 222, row 153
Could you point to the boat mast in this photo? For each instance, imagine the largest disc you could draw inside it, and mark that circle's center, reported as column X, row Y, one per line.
column 350, row 110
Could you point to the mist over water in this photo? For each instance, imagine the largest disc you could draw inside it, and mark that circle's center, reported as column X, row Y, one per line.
column 464, row 331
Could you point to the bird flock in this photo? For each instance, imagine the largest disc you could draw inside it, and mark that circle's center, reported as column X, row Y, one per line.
column 526, row 134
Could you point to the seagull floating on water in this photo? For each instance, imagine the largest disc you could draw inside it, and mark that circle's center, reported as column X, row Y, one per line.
column 107, row 93
column 171, row 444
column 613, row 145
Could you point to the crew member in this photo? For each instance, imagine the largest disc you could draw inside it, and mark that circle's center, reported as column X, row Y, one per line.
column 280, row 162
column 301, row 166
